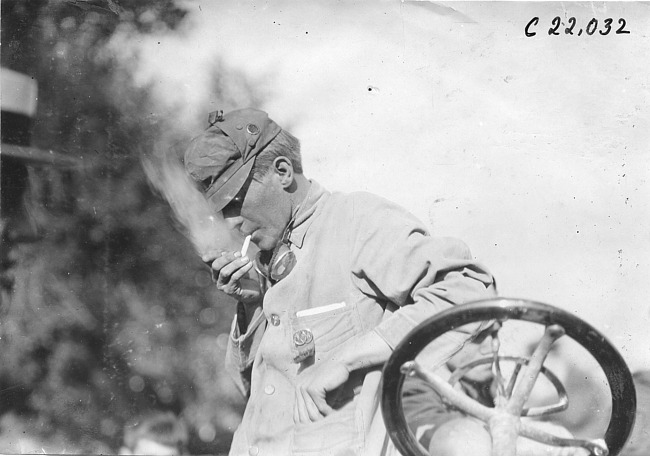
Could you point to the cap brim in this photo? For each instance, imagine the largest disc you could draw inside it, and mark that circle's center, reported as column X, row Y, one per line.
column 231, row 187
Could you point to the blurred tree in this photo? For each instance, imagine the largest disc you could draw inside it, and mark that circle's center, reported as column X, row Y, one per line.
column 112, row 314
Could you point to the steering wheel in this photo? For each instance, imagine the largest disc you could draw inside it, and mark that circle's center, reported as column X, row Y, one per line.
column 504, row 420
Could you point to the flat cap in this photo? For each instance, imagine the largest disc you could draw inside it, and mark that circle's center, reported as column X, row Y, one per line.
column 222, row 157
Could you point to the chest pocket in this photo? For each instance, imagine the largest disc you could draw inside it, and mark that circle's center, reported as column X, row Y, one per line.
column 318, row 331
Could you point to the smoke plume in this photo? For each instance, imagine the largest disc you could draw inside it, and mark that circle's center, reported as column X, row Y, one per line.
column 205, row 228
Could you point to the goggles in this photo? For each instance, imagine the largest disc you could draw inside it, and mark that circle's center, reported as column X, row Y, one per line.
column 275, row 265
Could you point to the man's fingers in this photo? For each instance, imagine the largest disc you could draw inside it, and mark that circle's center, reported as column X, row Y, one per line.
column 218, row 262
column 312, row 410
column 226, row 273
column 241, row 272
column 234, row 285
column 323, row 407
column 317, row 397
column 211, row 255
column 300, row 409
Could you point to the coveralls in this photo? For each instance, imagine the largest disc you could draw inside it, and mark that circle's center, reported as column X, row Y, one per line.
column 363, row 264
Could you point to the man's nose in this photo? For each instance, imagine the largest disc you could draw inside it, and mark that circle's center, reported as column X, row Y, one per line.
column 486, row 346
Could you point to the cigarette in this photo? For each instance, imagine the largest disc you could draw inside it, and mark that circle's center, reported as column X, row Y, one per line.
column 244, row 247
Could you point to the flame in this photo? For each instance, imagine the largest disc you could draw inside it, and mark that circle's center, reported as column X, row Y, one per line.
column 205, row 228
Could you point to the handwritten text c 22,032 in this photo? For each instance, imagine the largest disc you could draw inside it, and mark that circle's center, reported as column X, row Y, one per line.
column 559, row 27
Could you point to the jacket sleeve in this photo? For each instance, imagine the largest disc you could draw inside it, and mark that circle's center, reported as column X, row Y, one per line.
column 395, row 259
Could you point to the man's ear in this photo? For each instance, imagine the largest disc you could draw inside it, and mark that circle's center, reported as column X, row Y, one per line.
column 284, row 170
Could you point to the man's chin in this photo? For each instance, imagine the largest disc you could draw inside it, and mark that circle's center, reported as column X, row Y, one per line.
column 265, row 242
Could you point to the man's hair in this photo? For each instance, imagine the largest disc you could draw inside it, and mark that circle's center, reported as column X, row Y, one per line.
column 484, row 333
column 283, row 145
column 164, row 428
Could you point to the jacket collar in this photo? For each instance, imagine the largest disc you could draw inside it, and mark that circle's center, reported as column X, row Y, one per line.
column 306, row 213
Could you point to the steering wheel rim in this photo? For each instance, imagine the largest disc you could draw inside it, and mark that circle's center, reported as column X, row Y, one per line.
column 621, row 384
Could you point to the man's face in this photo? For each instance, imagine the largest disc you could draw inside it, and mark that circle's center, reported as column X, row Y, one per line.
column 260, row 209
column 470, row 352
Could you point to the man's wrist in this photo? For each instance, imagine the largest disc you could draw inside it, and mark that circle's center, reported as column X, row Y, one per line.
column 364, row 351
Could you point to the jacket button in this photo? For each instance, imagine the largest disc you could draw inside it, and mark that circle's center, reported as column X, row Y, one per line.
column 253, row 451
column 275, row 319
column 269, row 389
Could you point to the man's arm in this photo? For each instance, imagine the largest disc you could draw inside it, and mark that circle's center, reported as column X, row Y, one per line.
column 395, row 260
column 315, row 381
column 231, row 272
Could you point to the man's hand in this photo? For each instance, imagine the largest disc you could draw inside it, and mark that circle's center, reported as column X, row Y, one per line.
column 313, row 383
column 312, row 386
column 229, row 271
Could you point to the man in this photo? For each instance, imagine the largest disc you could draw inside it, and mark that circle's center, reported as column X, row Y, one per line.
column 445, row 431
column 437, row 426
column 344, row 278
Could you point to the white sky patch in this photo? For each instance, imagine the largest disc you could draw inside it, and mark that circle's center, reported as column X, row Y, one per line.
column 532, row 150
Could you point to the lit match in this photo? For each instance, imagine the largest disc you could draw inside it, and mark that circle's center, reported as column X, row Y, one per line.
column 244, row 248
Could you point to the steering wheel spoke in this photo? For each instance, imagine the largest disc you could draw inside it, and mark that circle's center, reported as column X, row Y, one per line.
column 524, row 387
column 596, row 447
column 448, row 393
column 562, row 396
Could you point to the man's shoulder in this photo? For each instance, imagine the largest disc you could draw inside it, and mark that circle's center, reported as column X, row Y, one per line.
column 365, row 202
column 366, row 209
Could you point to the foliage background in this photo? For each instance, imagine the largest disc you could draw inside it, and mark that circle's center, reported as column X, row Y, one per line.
column 113, row 314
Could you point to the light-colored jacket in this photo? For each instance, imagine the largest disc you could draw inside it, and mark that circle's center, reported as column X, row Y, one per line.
column 363, row 264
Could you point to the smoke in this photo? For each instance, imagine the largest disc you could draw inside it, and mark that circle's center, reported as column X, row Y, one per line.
column 206, row 229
